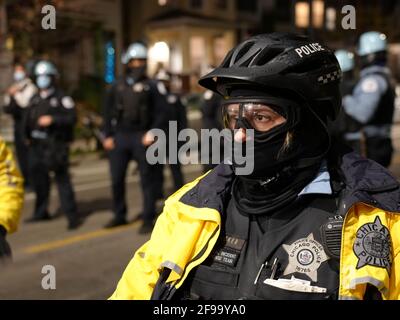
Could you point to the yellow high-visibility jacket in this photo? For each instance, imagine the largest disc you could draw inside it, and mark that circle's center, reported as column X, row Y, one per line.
column 187, row 230
column 11, row 190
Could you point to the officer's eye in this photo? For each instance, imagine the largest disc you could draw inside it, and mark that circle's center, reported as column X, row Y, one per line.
column 262, row 117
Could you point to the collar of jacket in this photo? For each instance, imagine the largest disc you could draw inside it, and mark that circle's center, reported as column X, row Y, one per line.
column 365, row 181
column 368, row 182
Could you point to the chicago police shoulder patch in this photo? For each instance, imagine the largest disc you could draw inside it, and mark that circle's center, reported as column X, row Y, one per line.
column 373, row 246
column 138, row 87
column 161, row 88
column 68, row 102
column 370, row 85
column 172, row 99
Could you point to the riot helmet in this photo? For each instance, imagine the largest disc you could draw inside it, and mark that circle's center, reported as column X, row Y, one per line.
column 372, row 48
column 345, row 59
column 134, row 58
column 45, row 73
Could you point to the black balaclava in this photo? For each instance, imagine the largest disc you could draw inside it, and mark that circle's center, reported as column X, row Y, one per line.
column 373, row 59
column 280, row 174
column 136, row 73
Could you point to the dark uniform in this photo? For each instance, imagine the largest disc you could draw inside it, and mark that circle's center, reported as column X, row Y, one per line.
column 17, row 111
column 372, row 105
column 131, row 109
column 49, row 151
column 345, row 125
column 211, row 109
column 255, row 249
column 175, row 112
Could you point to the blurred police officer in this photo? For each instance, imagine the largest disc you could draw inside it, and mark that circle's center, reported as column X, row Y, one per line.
column 176, row 115
column 16, row 102
column 48, row 126
column 211, row 109
column 133, row 106
column 372, row 101
column 346, row 128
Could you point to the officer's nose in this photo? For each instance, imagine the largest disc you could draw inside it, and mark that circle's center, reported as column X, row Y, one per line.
column 240, row 135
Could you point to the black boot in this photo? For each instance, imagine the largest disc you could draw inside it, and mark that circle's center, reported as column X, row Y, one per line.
column 115, row 222
column 146, row 227
column 34, row 219
column 75, row 223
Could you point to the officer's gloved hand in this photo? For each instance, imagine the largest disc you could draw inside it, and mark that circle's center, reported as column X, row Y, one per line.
column 5, row 250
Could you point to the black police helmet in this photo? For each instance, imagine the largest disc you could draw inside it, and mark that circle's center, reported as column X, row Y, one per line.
column 283, row 64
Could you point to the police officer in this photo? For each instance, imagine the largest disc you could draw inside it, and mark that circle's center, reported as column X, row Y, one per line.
column 347, row 65
column 48, row 127
column 312, row 220
column 345, row 128
column 11, row 198
column 133, row 106
column 372, row 101
column 176, row 115
column 16, row 102
column 211, row 119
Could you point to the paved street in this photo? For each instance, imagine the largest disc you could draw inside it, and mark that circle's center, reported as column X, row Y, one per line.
column 90, row 260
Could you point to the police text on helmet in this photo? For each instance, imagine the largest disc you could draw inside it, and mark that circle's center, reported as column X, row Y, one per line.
column 309, row 49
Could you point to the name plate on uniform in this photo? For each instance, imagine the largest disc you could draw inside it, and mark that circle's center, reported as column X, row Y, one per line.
column 229, row 253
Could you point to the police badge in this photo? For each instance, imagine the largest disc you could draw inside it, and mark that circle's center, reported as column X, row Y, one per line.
column 305, row 256
column 372, row 245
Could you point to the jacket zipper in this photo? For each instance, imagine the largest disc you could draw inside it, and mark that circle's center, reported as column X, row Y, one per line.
column 197, row 257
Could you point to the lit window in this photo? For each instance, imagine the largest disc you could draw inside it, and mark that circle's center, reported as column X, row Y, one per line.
column 331, row 18
column 318, row 13
column 302, row 14
column 198, row 54
column 220, row 49
column 159, row 52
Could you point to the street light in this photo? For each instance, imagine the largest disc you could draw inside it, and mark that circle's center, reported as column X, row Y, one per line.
column 158, row 55
column 159, row 52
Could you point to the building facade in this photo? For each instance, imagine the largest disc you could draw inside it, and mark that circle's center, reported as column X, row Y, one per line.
column 187, row 37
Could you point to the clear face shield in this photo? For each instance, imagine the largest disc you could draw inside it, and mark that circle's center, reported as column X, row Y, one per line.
column 268, row 117
column 252, row 115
